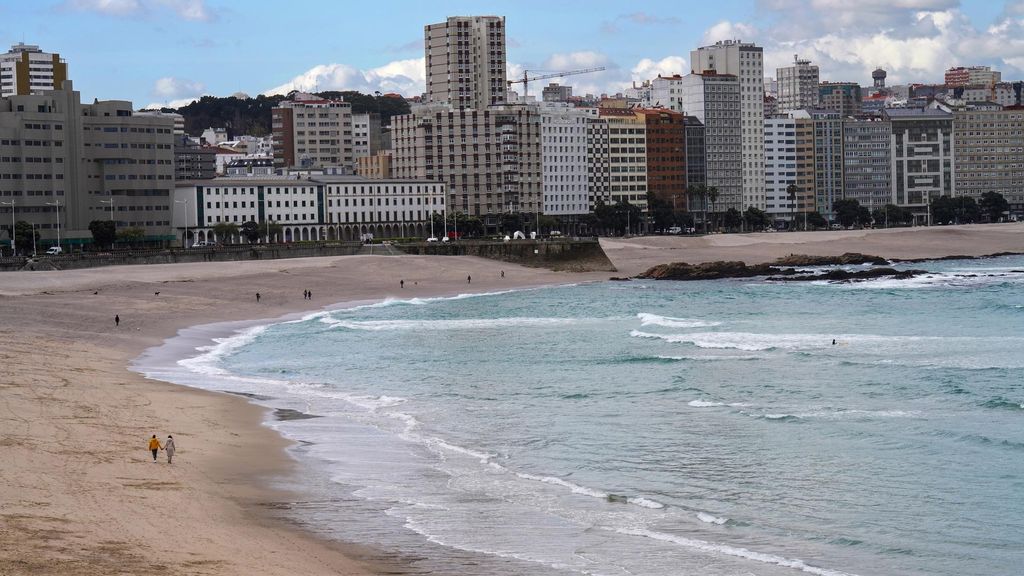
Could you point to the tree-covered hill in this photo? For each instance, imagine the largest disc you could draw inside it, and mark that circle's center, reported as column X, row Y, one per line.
column 252, row 115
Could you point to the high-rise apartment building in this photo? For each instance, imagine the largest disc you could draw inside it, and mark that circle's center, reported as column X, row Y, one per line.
column 666, row 155
column 922, row 147
column 714, row 99
column 598, row 161
column 64, row 164
column 972, row 75
column 780, row 161
column 745, row 61
column 842, row 97
column 828, row 159
column 465, row 61
column 797, row 86
column 867, row 171
column 490, row 158
column 564, row 169
column 990, row 152
column 366, row 135
column 555, row 92
column 311, row 132
column 25, row 69
column 627, row 156
column 696, row 160
column 666, row 93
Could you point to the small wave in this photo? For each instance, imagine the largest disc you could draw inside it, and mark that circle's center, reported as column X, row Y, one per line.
column 713, row 548
column 781, row 417
column 704, row 403
column 1001, row 403
column 434, row 325
column 647, row 319
column 646, row 503
column 710, row 358
column 711, row 519
column 574, row 488
column 206, row 363
column 577, row 396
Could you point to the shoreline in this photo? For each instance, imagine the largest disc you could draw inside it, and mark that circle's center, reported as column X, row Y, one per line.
column 80, row 496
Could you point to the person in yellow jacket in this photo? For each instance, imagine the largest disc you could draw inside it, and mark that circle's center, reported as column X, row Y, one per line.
column 154, row 446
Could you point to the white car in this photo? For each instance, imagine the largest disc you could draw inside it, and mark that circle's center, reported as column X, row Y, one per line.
column 202, row 244
column 432, row 239
column 54, row 251
column 675, row 230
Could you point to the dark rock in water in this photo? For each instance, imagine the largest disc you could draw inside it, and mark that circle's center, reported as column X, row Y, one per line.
column 849, row 258
column 289, row 414
column 707, row 271
column 618, row 498
column 619, row 279
column 845, row 276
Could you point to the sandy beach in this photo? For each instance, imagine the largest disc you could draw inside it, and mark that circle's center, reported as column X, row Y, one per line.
column 79, row 493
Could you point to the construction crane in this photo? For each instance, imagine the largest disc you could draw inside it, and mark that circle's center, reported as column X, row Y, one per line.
column 526, row 79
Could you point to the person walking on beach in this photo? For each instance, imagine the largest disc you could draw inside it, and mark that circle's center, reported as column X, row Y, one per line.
column 402, row 283
column 309, row 294
column 502, row 273
column 469, row 279
column 154, row 446
column 305, row 294
column 257, row 297
column 169, row 448
column 117, row 320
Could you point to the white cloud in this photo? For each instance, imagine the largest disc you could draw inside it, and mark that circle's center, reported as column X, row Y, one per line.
column 185, row 9
column 726, row 30
column 405, row 77
column 171, row 88
column 176, row 103
column 647, row 69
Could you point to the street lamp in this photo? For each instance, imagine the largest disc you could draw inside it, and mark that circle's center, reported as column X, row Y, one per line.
column 57, row 204
column 184, row 241
column 14, row 250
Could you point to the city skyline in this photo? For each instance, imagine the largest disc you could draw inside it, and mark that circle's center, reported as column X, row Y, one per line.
column 168, row 52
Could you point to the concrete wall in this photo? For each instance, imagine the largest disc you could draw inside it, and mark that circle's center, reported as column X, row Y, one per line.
column 569, row 255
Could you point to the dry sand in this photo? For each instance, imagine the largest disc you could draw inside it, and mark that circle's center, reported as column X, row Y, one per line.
column 79, row 493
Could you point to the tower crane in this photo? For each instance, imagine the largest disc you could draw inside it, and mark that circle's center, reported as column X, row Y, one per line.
column 526, row 79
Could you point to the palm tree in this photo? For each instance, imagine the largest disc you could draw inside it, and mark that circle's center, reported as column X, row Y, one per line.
column 791, row 190
column 712, row 196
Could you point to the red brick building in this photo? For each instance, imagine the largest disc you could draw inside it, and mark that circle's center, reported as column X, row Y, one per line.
column 666, row 155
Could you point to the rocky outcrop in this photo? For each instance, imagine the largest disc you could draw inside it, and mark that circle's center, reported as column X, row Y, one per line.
column 855, row 276
column 707, row 271
column 848, row 259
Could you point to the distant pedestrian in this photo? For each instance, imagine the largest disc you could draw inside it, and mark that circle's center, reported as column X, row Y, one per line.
column 305, row 294
column 402, row 283
column 309, row 294
column 502, row 273
column 833, row 341
column 154, row 446
column 469, row 279
column 169, row 448
column 117, row 320
column 257, row 297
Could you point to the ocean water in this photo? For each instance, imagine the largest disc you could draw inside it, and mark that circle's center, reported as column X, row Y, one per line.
column 660, row 428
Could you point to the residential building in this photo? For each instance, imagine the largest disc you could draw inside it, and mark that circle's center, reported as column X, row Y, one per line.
column 771, row 108
column 828, row 160
column 178, row 119
column 641, row 94
column 745, row 61
column 375, row 167
column 465, row 61
column 990, row 152
column 366, row 135
column 666, row 92
column 665, row 133
column 311, row 132
column 25, row 69
column 842, row 97
column 599, row 161
column 318, row 208
column 922, row 148
column 554, row 92
column 805, row 164
column 714, row 100
column 696, row 158
column 627, row 156
column 1003, row 93
column 564, row 169
column 250, row 167
column 780, row 163
column 192, row 161
column 490, row 158
column 214, row 136
column 798, row 85
column 972, row 75
column 65, row 164
column 867, row 156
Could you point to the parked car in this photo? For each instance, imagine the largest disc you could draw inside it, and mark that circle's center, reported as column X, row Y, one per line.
column 675, row 230
column 202, row 244
column 432, row 239
column 54, row 251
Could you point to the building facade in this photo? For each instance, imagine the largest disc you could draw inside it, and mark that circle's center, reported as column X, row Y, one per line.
column 598, row 161
column 780, row 158
column 922, row 151
column 828, row 160
column 696, row 159
column 666, row 93
column 666, row 155
column 627, row 156
column 555, row 92
column 366, row 135
column 797, row 86
column 325, row 208
column 25, row 69
column 564, row 168
column 714, row 100
column 867, row 170
column 310, row 132
column 376, row 167
column 465, row 61
column 192, row 161
column 842, row 97
column 968, row 75
column 990, row 152
column 746, row 62
column 64, row 164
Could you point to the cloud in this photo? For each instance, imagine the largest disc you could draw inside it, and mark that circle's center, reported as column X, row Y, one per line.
column 170, row 88
column 726, row 30
column 647, row 69
column 177, row 103
column 637, row 18
column 195, row 10
column 403, row 76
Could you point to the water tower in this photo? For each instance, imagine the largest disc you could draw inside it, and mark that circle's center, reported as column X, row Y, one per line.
column 879, row 77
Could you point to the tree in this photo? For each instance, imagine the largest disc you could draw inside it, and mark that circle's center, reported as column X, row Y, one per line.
column 510, row 222
column 250, row 231
column 791, row 192
column 816, row 220
column 756, row 219
column 627, row 216
column 891, row 215
column 943, row 209
column 132, row 235
column 271, row 230
column 104, row 232
column 967, row 210
column 25, row 236
column 661, row 211
column 847, row 211
column 225, row 231
column 992, row 205
column 733, row 218
column 863, row 217
column 712, row 197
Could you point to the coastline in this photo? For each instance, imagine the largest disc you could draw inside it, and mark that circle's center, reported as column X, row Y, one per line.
column 80, row 497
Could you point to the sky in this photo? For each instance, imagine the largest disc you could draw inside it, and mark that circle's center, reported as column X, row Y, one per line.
column 168, row 52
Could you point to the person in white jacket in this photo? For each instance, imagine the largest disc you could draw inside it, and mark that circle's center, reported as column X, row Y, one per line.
column 169, row 448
